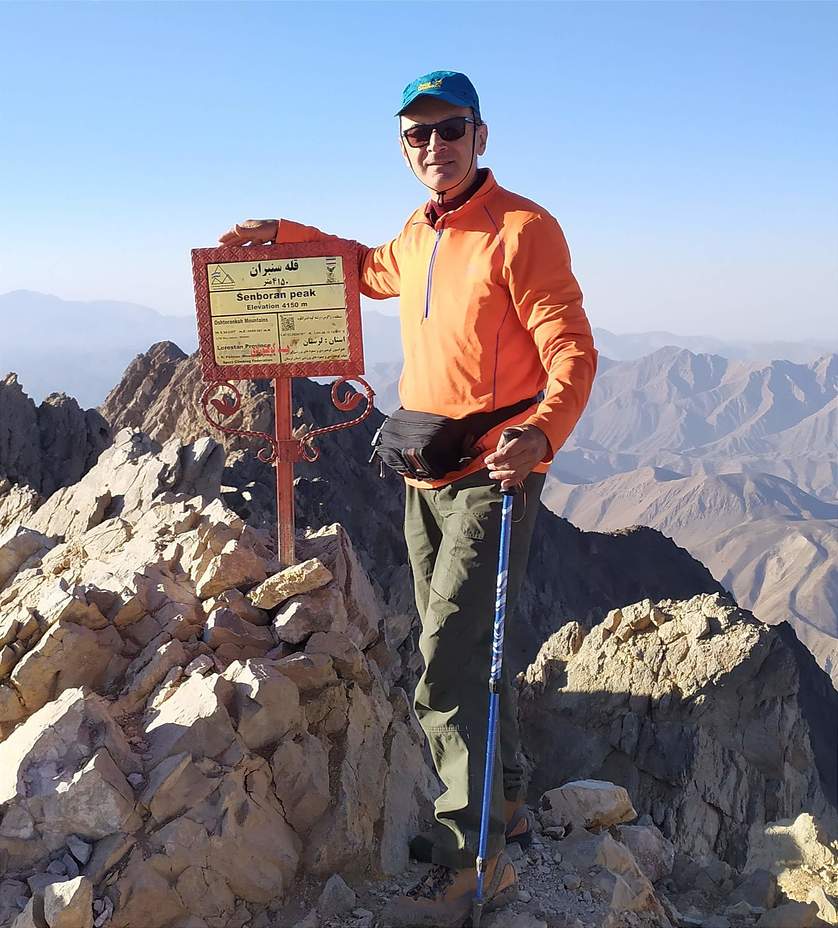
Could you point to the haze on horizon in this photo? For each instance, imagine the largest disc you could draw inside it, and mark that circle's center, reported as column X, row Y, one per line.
column 688, row 149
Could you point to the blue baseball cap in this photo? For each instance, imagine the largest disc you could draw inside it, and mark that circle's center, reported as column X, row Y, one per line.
column 451, row 86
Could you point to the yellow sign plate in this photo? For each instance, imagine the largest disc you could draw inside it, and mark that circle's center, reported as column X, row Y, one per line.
column 278, row 311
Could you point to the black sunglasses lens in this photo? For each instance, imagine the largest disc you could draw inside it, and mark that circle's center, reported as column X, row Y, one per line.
column 452, row 129
column 417, row 136
column 449, row 131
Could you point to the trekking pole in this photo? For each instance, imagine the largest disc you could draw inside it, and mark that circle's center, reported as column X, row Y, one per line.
column 495, row 673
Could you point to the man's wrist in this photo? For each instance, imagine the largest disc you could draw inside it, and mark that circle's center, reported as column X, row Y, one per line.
column 548, row 450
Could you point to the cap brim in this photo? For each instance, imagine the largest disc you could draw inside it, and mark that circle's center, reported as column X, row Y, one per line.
column 448, row 97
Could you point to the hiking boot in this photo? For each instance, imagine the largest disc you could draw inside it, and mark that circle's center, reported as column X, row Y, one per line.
column 518, row 824
column 443, row 897
column 518, row 831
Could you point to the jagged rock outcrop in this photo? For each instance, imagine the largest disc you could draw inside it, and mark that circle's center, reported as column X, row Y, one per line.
column 138, row 399
column 48, row 446
column 191, row 738
column 199, row 773
column 571, row 573
column 17, row 503
column 695, row 708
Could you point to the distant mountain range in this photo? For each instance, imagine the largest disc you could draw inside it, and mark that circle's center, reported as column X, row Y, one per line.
column 772, row 545
column 632, row 346
column 79, row 348
column 382, row 346
column 735, row 460
column 706, row 414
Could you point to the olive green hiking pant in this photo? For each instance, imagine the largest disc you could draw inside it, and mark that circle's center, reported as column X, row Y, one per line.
column 453, row 535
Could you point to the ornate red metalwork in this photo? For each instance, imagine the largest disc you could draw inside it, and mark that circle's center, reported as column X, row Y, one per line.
column 229, row 407
column 222, row 399
column 346, row 404
column 298, row 449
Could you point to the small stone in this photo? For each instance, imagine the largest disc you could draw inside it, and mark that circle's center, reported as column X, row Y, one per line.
column 293, row 581
column 202, row 664
column 98, row 905
column 588, row 803
column 361, row 913
column 571, row 882
column 72, row 868
column 81, row 850
column 336, row 898
column 105, row 914
column 136, row 780
column 57, row 866
column 69, row 904
column 524, row 896
column 557, row 857
column 39, row 882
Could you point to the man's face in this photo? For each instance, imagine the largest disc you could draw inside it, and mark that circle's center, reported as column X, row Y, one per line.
column 441, row 165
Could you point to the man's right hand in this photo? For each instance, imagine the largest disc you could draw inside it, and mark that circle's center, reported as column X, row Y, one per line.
column 251, row 232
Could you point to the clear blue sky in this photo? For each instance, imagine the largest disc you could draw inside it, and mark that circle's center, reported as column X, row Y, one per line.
column 688, row 149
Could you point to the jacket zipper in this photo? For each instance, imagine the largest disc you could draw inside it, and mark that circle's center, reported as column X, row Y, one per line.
column 430, row 275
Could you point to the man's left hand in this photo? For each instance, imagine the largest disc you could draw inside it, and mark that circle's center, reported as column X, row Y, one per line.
column 513, row 461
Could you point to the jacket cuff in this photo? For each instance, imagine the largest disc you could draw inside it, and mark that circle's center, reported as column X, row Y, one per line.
column 289, row 232
column 540, row 423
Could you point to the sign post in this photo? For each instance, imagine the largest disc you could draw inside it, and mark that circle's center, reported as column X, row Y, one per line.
column 276, row 312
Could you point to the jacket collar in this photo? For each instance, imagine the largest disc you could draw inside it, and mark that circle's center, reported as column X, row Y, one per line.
column 475, row 201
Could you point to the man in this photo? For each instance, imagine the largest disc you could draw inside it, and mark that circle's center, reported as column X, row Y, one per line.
column 492, row 328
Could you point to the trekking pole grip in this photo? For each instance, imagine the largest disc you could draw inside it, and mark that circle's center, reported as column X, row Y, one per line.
column 506, row 436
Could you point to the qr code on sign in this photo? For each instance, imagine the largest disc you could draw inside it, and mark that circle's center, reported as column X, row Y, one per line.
column 286, row 323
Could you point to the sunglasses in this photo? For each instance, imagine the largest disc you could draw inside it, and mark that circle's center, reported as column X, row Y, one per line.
column 449, row 131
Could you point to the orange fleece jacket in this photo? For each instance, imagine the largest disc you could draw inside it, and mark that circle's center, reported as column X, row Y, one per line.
column 490, row 315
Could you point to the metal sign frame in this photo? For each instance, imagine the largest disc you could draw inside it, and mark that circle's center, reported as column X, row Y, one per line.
column 222, row 400
column 202, row 258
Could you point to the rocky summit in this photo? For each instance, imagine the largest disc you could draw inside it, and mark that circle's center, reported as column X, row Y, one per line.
column 193, row 737
column 571, row 574
column 168, row 741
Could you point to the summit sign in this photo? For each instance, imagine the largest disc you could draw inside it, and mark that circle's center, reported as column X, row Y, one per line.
column 278, row 310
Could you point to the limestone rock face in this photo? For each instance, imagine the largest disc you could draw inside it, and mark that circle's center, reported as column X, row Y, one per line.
column 17, row 546
column 48, row 446
column 160, row 394
column 801, row 854
column 694, row 707
column 141, row 396
column 218, row 764
column 162, row 760
column 654, row 854
column 132, row 472
column 64, row 772
column 17, row 502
